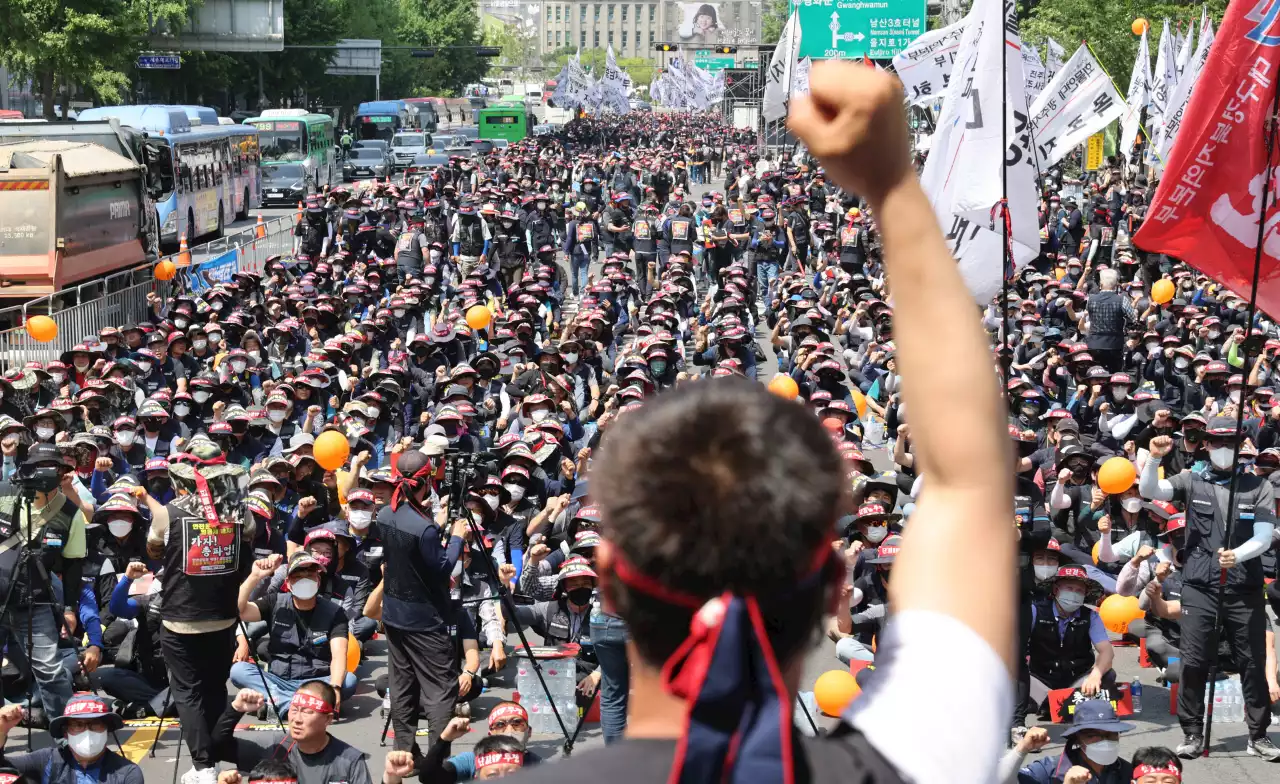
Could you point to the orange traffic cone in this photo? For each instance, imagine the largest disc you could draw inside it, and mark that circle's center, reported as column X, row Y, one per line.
column 260, row 230
column 184, row 255
column 297, row 218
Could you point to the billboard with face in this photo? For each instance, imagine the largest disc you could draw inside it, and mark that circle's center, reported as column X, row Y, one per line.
column 713, row 24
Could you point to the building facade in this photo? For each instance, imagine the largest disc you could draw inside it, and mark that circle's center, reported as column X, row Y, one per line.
column 633, row 28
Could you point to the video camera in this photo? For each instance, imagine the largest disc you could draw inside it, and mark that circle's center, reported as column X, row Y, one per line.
column 467, row 469
column 38, row 478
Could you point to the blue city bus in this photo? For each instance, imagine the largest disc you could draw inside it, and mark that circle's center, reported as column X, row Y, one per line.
column 379, row 119
column 211, row 180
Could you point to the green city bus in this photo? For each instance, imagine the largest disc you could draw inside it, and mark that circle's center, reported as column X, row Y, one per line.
column 505, row 120
column 297, row 136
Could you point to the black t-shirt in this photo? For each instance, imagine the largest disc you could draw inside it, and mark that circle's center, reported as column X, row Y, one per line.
column 337, row 762
column 845, row 757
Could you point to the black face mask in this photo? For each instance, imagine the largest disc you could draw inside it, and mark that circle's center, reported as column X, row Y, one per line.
column 158, row 486
column 579, row 596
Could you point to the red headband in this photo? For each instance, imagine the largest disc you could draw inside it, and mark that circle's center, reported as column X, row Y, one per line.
column 304, row 700
column 500, row 758
column 505, row 711
column 1152, row 770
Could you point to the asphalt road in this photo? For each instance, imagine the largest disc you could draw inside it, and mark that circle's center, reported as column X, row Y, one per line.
column 361, row 723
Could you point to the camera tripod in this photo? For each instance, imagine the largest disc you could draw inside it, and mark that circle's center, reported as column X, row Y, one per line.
column 460, row 475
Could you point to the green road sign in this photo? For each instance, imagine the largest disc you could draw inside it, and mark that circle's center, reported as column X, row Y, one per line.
column 708, row 61
column 879, row 29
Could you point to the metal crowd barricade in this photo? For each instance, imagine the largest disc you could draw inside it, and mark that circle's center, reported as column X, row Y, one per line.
column 121, row 298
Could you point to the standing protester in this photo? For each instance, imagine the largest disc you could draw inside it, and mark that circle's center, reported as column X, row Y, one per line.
column 417, row 610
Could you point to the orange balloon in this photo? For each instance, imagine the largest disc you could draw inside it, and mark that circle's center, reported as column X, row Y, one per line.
column 783, row 385
column 1116, row 475
column 330, row 450
column 1117, row 612
column 478, row 317
column 1096, row 546
column 1140, row 26
column 834, row 690
column 42, row 328
column 1162, row 291
column 859, row 403
column 353, row 653
column 165, row 270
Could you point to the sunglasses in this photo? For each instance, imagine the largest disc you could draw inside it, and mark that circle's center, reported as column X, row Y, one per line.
column 514, row 723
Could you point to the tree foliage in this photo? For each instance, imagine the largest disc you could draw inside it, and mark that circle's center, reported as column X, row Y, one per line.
column 773, row 19
column 1106, row 25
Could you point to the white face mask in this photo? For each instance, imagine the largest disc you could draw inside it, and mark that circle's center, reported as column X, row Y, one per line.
column 199, row 344
column 238, row 367
column 1119, row 393
column 570, row 358
column 119, row 528
column 200, row 397
column 1103, row 752
column 58, row 378
column 374, row 413
column 1221, row 457
column 181, row 323
column 491, row 501
column 1182, row 363
column 516, row 491
column 877, row 533
column 1069, row 600
column 359, row 519
column 181, row 409
column 256, row 356
column 304, row 589
column 539, row 415
column 87, row 744
column 1234, row 396
column 398, row 312
column 1044, row 571
column 45, row 433
column 125, row 438
column 144, row 367
column 1131, row 504
column 276, row 415
column 435, row 256
column 1213, row 334
column 1152, row 348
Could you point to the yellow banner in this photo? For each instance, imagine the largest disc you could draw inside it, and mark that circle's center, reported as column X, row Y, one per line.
column 1093, row 153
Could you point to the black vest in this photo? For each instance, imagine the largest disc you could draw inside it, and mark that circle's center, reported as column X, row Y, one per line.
column 471, row 238
column 1206, row 502
column 300, row 649
column 1060, row 661
column 201, row 566
column 48, row 538
column 407, row 573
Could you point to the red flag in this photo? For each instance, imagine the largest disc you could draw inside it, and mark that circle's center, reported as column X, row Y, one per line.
column 1206, row 208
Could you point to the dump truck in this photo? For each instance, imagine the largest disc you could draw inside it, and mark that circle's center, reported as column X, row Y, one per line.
column 69, row 212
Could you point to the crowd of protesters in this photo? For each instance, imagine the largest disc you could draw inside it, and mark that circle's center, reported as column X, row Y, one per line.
column 196, row 560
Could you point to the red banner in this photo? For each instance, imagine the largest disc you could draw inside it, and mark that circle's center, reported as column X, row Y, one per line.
column 1207, row 207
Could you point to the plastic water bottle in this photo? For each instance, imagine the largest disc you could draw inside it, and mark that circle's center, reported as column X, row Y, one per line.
column 1135, row 695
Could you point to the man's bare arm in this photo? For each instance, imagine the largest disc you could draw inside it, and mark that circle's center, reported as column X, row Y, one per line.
column 853, row 121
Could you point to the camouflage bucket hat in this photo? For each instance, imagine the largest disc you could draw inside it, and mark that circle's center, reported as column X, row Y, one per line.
column 226, row 482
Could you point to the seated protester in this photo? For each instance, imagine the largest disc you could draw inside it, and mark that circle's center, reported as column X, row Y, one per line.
column 316, row 756
column 1156, row 765
column 1069, row 646
column 1091, row 754
column 117, row 537
column 362, row 506
column 565, row 619
column 473, row 588
column 868, row 606
column 81, row 755
column 156, row 479
column 498, row 756
column 307, row 637
column 348, row 577
column 269, row 771
column 506, row 720
column 139, row 681
column 1145, row 522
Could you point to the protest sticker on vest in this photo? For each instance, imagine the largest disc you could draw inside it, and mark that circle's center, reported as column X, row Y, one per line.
column 735, row 217
column 680, row 230
column 586, row 231
column 212, row 548
column 641, row 230
column 849, row 235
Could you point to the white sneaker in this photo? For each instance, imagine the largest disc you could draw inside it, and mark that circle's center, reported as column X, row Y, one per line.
column 200, row 776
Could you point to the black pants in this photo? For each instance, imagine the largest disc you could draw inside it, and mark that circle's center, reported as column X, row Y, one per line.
column 199, row 665
column 424, row 671
column 1244, row 626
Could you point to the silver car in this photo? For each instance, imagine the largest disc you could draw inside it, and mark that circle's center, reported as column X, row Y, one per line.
column 405, row 146
column 365, row 162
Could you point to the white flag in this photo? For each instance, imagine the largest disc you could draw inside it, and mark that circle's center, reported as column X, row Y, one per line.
column 963, row 186
column 1165, row 77
column 800, row 77
column 1186, row 45
column 1079, row 102
column 1136, row 99
column 1033, row 72
column 614, row 84
column 1053, row 57
column 1182, row 93
column 781, row 65
column 925, row 65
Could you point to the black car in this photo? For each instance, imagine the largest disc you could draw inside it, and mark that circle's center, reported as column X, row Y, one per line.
column 424, row 163
column 284, row 183
column 365, row 162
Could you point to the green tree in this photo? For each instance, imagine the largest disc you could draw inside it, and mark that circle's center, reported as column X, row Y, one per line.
column 91, row 45
column 1106, row 26
column 773, row 19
